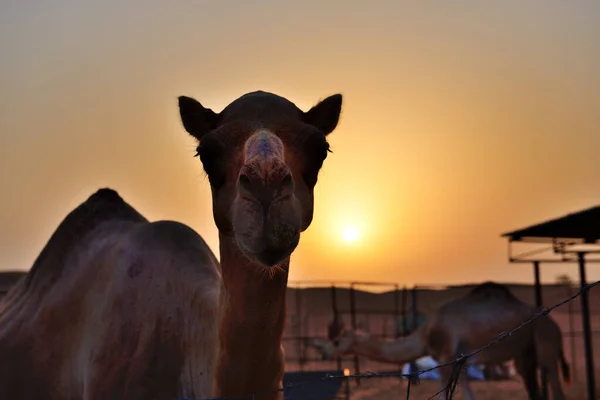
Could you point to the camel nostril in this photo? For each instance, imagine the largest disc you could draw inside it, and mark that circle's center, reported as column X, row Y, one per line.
column 287, row 181
column 286, row 187
column 245, row 185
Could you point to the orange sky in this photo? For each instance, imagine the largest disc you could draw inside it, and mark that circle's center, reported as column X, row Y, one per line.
column 461, row 121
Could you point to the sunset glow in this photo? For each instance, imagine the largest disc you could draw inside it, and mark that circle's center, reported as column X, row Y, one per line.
column 458, row 122
column 350, row 234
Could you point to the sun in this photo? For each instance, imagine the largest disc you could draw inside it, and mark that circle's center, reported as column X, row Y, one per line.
column 350, row 234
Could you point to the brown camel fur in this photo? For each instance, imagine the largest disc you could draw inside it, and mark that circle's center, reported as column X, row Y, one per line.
column 464, row 325
column 117, row 307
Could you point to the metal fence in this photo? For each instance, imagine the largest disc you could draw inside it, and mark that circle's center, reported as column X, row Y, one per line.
column 396, row 312
column 312, row 309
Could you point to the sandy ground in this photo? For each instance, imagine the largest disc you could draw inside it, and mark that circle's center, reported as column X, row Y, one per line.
column 313, row 312
column 513, row 389
column 383, row 388
column 315, row 324
column 392, row 388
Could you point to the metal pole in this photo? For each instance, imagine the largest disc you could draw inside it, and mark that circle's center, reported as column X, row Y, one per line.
column 299, row 330
column 404, row 313
column 572, row 333
column 587, row 331
column 397, row 318
column 538, row 284
column 347, row 388
column 396, row 311
column 404, row 326
column 335, row 321
column 539, row 303
column 413, row 306
column 353, row 319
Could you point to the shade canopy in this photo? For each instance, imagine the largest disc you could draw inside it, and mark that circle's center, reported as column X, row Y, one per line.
column 579, row 227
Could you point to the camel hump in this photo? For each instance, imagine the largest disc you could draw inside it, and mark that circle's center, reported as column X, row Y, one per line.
column 175, row 238
column 106, row 194
column 492, row 290
column 102, row 206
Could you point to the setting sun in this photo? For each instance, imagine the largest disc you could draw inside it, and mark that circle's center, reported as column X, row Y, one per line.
column 350, row 234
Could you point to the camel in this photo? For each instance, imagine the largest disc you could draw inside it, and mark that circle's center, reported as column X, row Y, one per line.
column 464, row 325
column 118, row 307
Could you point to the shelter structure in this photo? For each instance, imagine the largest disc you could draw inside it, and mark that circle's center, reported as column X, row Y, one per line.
column 573, row 238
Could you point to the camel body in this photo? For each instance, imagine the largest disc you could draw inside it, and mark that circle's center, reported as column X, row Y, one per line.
column 485, row 314
column 118, row 307
column 73, row 328
column 465, row 325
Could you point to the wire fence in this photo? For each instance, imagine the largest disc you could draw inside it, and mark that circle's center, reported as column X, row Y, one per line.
column 457, row 365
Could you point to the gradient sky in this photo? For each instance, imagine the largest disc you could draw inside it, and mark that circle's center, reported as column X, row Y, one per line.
column 461, row 120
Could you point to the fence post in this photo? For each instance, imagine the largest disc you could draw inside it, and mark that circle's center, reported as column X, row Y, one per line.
column 413, row 306
column 587, row 334
column 353, row 318
column 396, row 311
column 300, row 340
column 404, row 302
column 335, row 320
column 571, row 333
column 539, row 303
column 397, row 330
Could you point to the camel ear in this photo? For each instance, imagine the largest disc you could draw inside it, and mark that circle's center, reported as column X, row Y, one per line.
column 326, row 114
column 196, row 119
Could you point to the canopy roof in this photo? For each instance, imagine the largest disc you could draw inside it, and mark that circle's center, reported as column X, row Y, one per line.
column 579, row 227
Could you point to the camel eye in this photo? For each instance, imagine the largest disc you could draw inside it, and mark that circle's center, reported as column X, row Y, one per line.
column 326, row 149
column 210, row 155
column 316, row 149
column 320, row 151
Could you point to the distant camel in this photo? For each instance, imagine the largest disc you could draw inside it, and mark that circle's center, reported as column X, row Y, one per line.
column 464, row 325
column 117, row 307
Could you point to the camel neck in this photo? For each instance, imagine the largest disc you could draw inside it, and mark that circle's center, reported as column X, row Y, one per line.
column 398, row 351
column 251, row 326
column 373, row 348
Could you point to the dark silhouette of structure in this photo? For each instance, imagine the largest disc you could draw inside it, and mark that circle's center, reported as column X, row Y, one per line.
column 569, row 239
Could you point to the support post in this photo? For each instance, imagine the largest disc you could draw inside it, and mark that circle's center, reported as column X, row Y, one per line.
column 396, row 311
column 397, row 329
column 404, row 303
column 572, row 333
column 414, row 312
column 347, row 388
column 538, row 284
column 353, row 320
column 539, row 303
column 335, row 320
column 299, row 342
column 587, row 331
column 403, row 328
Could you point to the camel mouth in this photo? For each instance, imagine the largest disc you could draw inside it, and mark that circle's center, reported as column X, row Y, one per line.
column 271, row 256
column 275, row 256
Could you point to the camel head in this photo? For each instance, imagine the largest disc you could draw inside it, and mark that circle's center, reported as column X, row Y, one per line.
column 346, row 343
column 262, row 155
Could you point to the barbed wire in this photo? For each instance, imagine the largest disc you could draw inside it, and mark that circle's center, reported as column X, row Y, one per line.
column 457, row 363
